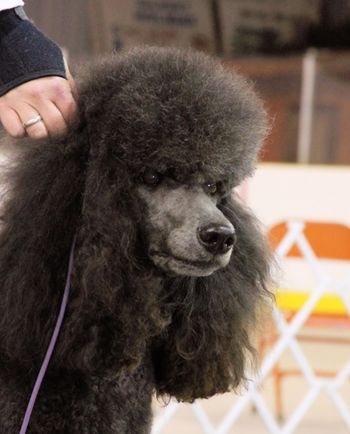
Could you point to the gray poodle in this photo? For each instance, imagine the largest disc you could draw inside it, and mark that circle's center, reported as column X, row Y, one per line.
column 170, row 270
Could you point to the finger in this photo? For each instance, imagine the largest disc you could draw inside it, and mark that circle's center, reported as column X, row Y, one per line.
column 56, row 90
column 52, row 118
column 72, row 109
column 27, row 112
column 12, row 123
column 61, row 94
column 66, row 104
column 68, row 74
column 71, row 82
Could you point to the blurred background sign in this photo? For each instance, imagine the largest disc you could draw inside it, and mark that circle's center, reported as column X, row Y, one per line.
column 125, row 23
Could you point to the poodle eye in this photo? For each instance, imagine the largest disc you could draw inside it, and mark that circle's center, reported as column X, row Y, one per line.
column 151, row 178
column 211, row 188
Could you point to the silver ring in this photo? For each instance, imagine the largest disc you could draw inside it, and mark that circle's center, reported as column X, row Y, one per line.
column 32, row 121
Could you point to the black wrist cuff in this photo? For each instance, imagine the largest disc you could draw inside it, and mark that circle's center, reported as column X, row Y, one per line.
column 25, row 52
column 8, row 21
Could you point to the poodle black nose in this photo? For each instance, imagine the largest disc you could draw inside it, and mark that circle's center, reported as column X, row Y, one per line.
column 217, row 239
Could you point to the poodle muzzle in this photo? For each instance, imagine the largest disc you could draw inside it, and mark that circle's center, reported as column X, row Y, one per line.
column 186, row 233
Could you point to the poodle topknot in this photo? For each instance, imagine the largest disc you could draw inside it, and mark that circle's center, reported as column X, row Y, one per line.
column 170, row 270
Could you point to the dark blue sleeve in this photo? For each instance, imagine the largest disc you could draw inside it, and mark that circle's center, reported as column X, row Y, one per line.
column 25, row 52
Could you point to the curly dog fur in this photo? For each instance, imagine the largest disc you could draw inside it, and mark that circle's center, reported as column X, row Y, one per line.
column 160, row 130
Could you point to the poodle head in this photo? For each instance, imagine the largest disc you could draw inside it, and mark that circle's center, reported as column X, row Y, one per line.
column 182, row 131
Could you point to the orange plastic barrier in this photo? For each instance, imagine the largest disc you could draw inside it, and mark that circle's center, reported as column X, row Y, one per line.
column 328, row 241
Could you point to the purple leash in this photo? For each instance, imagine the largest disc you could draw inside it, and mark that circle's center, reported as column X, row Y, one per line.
column 51, row 346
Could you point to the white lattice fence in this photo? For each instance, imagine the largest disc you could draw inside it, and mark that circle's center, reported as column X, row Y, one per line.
column 324, row 282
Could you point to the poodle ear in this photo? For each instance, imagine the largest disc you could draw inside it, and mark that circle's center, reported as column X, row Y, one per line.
column 54, row 192
column 207, row 347
column 115, row 309
column 39, row 218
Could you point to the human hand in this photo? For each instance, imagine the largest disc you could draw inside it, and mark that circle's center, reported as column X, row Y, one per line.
column 50, row 97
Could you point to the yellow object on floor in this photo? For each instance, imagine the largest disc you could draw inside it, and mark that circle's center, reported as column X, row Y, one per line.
column 294, row 300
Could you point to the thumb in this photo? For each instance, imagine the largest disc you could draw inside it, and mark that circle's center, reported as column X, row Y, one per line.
column 70, row 78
